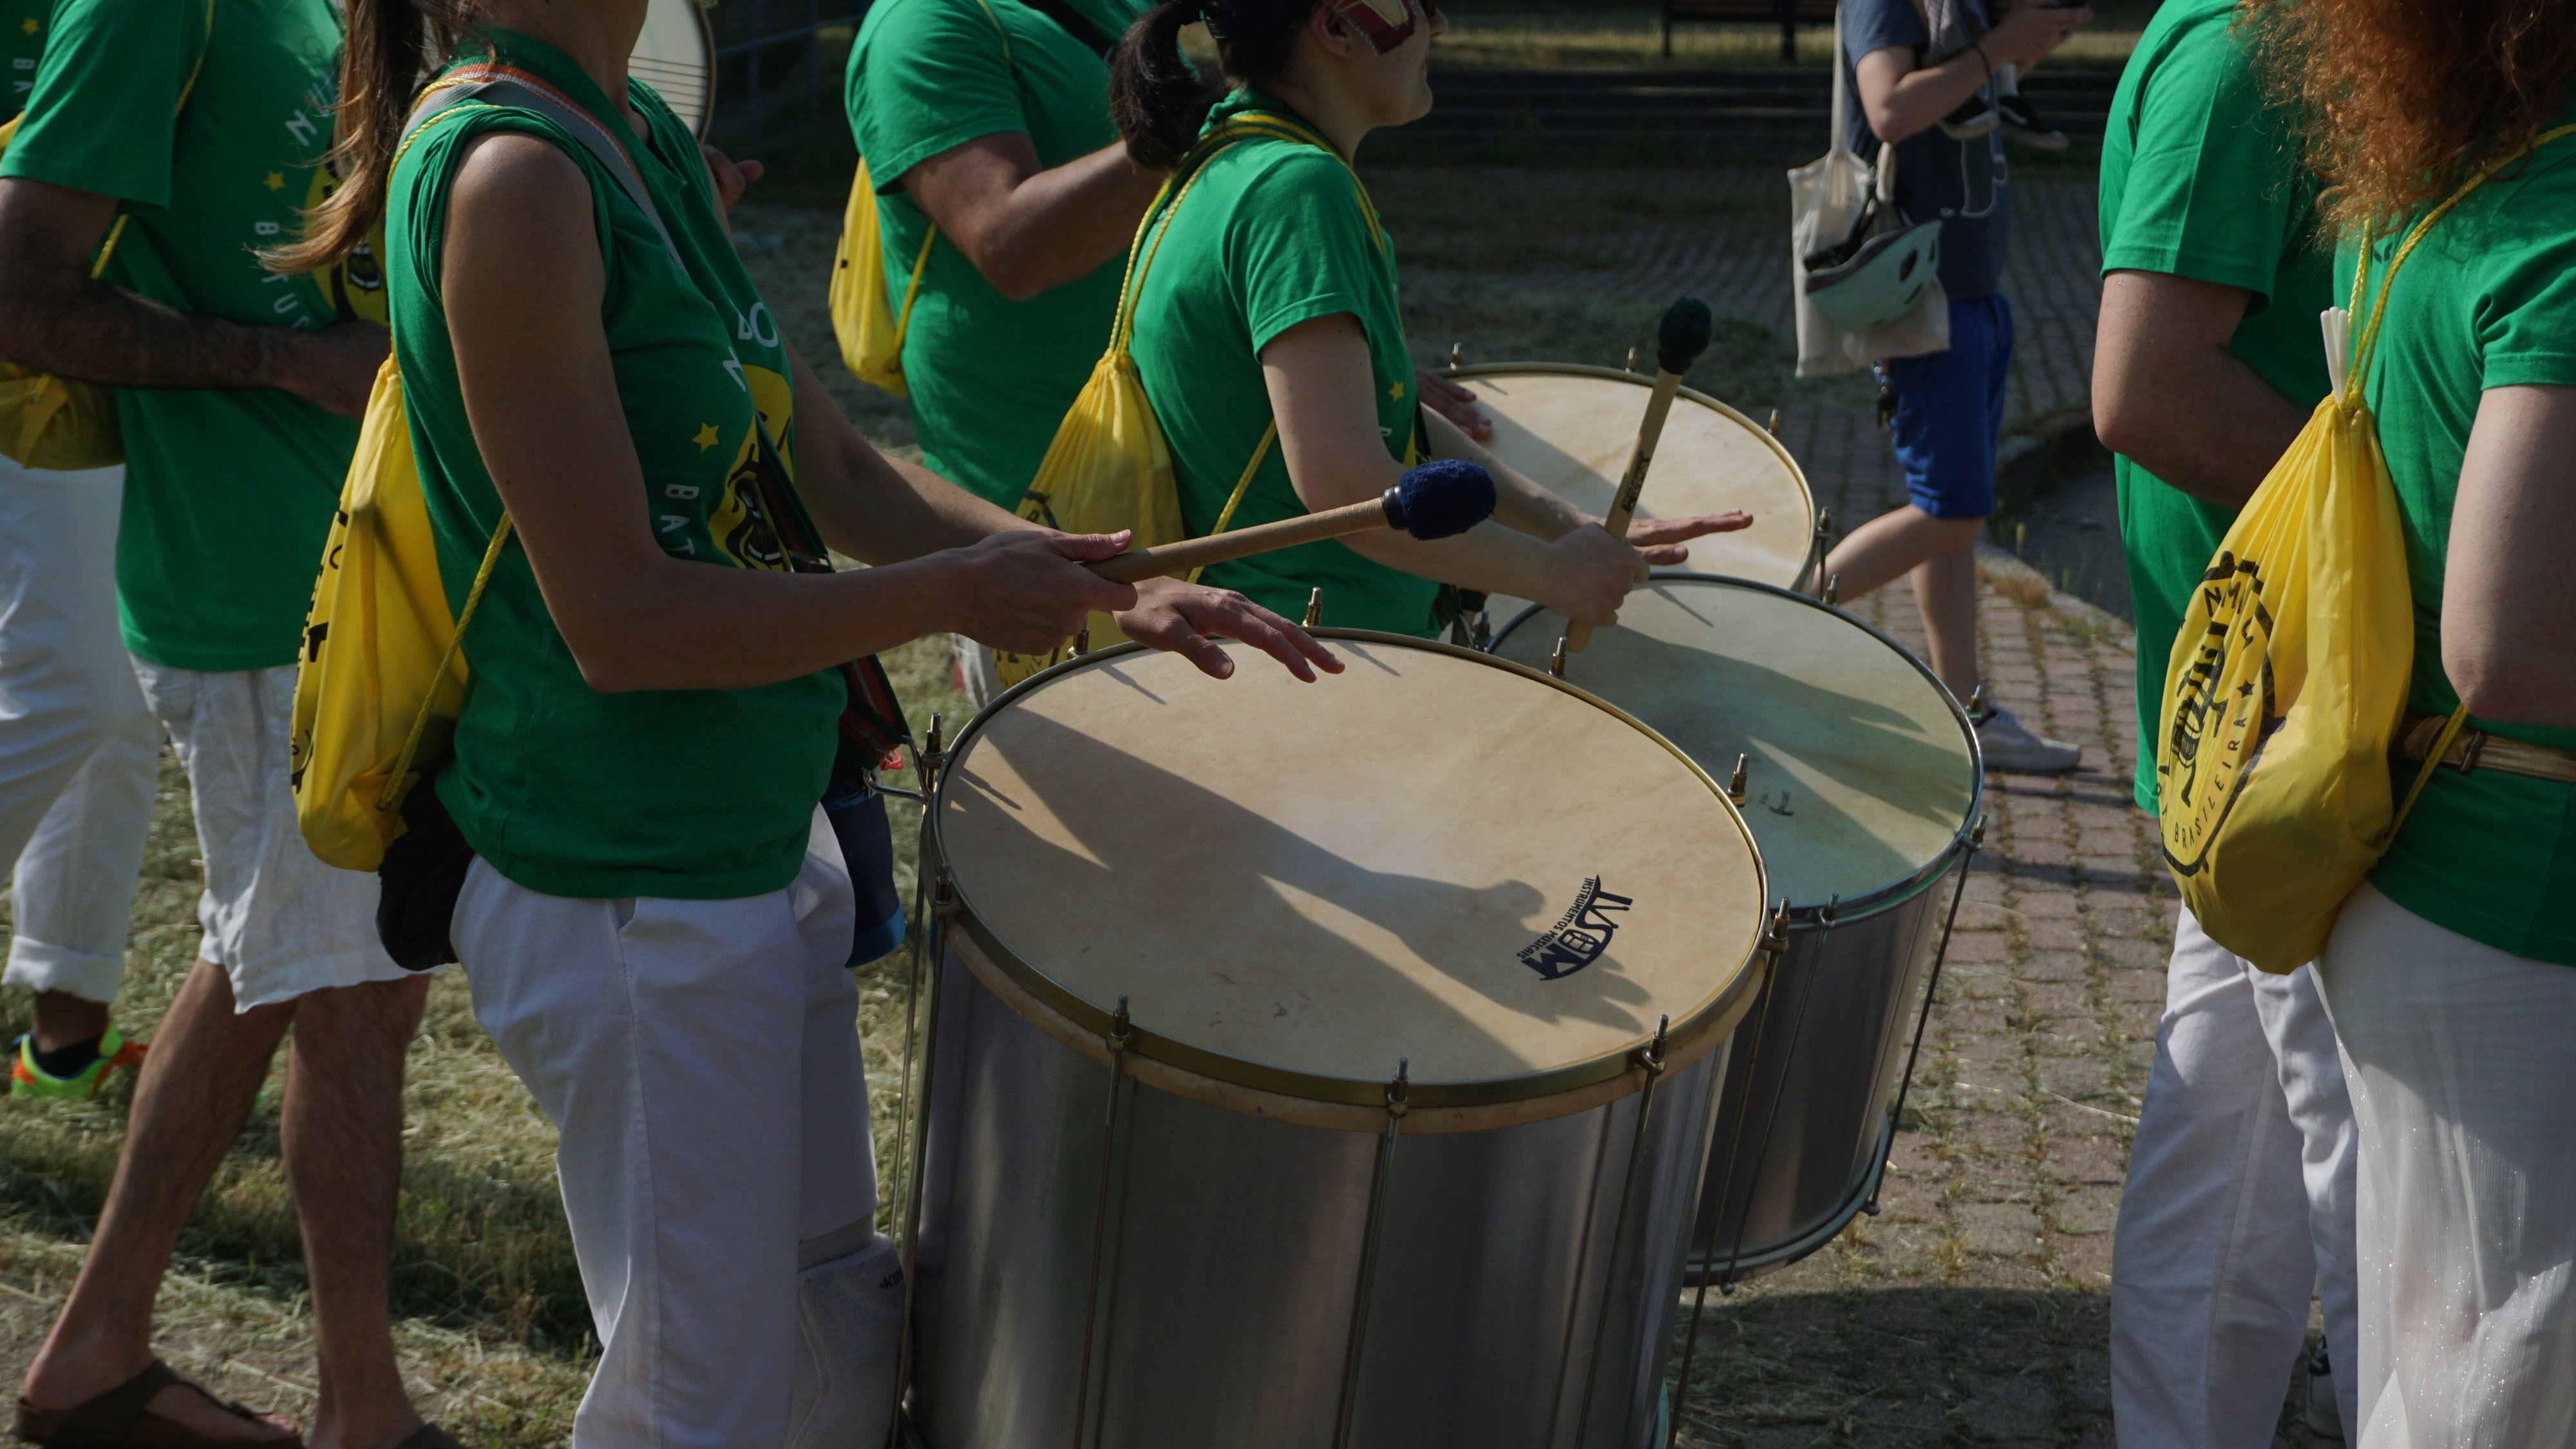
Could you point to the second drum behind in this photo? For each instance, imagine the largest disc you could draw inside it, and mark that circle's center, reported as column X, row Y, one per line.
column 1862, row 786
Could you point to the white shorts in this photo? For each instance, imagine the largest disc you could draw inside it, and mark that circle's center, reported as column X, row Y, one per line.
column 279, row 921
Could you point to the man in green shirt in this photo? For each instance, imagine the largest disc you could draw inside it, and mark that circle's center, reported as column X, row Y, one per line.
column 2240, row 1192
column 989, row 119
column 197, row 133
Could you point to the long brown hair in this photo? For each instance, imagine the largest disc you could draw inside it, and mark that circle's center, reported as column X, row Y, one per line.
column 392, row 47
column 2400, row 100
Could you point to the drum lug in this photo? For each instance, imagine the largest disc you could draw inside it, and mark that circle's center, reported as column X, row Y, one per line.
column 1632, row 359
column 1457, row 356
column 1834, row 590
column 1556, row 661
column 1650, row 1060
column 1315, row 608
column 1399, row 1101
column 1735, row 783
column 1082, row 641
column 943, row 898
column 1775, row 941
column 1773, row 426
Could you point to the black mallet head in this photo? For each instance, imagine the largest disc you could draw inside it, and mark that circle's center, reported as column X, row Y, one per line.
column 1682, row 336
column 1440, row 499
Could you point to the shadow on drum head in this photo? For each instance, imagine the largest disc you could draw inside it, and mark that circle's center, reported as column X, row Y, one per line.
column 1187, row 828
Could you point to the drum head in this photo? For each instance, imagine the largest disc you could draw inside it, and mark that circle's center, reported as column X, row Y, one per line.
column 1432, row 858
column 1571, row 429
column 1862, row 774
column 677, row 59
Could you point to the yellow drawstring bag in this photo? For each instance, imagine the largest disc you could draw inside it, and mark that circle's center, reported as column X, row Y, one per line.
column 2289, row 677
column 868, row 326
column 62, row 423
column 1109, row 467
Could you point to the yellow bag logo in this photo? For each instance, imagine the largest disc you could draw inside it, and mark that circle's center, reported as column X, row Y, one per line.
column 2217, row 729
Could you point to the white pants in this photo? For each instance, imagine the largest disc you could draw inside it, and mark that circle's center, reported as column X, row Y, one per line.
column 2462, row 1060
column 2239, row 1205
column 977, row 674
column 79, row 757
column 700, row 1061
column 279, row 921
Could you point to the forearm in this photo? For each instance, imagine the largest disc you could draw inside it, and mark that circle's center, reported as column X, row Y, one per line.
column 873, row 508
column 1917, row 100
column 1488, row 558
column 1519, row 504
column 87, row 329
column 1028, row 232
column 677, row 624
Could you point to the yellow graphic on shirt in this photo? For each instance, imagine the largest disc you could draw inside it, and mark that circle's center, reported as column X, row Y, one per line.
column 29, row 26
column 1395, row 390
column 740, row 528
column 276, row 181
column 355, row 284
column 705, row 437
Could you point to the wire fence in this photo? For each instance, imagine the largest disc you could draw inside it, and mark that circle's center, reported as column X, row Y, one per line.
column 771, row 61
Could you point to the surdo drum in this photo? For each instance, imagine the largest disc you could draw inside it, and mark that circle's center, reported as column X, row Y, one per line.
column 1570, row 430
column 1862, row 783
column 1317, row 1065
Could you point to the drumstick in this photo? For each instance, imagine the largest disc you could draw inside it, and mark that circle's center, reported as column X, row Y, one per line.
column 1679, row 340
column 1441, row 498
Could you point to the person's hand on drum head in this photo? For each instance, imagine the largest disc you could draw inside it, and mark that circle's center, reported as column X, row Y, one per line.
column 1660, row 539
column 1187, row 619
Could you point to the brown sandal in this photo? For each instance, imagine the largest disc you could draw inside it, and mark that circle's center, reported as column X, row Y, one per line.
column 117, row 1420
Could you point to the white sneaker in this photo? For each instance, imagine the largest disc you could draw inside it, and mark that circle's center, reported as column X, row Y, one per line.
column 2009, row 745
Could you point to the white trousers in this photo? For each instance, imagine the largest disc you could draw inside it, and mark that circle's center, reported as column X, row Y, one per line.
column 978, row 676
column 79, row 756
column 2462, row 1060
column 2239, row 1206
column 700, row 1061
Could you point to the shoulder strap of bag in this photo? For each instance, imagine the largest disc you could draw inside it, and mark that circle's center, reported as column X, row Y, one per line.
column 930, row 233
column 493, row 83
column 2363, row 348
column 107, row 248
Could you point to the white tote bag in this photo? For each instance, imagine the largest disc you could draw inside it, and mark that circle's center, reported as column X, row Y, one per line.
column 1825, row 198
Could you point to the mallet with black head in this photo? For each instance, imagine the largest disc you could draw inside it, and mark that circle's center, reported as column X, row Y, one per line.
column 1679, row 340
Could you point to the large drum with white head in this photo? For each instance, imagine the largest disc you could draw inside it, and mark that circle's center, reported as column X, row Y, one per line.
column 1571, row 429
column 1318, row 1065
column 676, row 56
column 1862, row 784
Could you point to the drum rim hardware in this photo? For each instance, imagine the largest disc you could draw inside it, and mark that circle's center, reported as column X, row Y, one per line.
column 1693, row 1031
column 1882, row 898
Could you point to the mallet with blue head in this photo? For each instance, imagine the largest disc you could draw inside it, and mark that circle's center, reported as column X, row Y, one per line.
column 1439, row 499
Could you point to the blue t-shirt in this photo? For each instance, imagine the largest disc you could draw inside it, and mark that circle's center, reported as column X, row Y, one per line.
column 1959, row 182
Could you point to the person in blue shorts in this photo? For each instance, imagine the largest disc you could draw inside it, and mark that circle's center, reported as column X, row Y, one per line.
column 1922, row 94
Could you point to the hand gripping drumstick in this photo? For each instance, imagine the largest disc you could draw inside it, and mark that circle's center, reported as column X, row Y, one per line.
column 1679, row 340
column 1441, row 498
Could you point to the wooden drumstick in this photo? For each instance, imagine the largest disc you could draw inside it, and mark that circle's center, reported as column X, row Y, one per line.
column 1439, row 499
column 1679, row 340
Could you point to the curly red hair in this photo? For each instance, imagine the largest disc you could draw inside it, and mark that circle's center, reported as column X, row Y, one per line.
column 2401, row 99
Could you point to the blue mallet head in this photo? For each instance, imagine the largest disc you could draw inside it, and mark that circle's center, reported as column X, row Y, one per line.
column 1440, row 499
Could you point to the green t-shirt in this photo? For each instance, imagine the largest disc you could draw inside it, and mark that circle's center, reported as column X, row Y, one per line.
column 989, row 378
column 228, row 492
column 690, row 794
column 2200, row 179
column 2488, row 300
column 1271, row 233
column 22, row 43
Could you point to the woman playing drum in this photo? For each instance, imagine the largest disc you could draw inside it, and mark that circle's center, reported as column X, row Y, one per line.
column 1267, row 298
column 656, row 922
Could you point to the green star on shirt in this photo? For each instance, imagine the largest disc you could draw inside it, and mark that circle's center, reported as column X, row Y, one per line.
column 706, row 437
column 276, row 181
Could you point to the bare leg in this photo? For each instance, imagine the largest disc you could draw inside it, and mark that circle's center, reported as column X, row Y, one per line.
column 1887, row 548
column 206, row 1067
column 342, row 1132
column 62, row 1018
column 1945, row 589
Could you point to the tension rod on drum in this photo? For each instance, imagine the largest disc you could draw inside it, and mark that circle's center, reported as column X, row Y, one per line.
column 1399, row 1100
column 1923, row 1017
column 1122, row 1030
column 934, row 901
column 1651, row 1062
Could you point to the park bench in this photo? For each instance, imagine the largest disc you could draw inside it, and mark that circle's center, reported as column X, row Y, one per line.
column 1787, row 14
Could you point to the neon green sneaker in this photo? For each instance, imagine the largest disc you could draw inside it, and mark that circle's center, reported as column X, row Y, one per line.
column 26, row 1079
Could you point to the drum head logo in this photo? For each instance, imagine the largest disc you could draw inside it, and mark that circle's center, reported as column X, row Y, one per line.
column 2223, row 711
column 1580, row 935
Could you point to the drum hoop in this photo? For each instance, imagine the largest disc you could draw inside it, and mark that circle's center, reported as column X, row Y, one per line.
column 1708, row 1019
column 1778, row 449
column 1811, row 916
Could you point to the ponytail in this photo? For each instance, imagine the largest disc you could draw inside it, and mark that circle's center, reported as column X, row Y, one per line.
column 392, row 47
column 1157, row 97
column 1160, row 100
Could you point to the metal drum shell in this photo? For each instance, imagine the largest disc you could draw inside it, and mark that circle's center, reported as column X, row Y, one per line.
column 1817, row 1071
column 1237, row 1228
column 1234, row 1253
